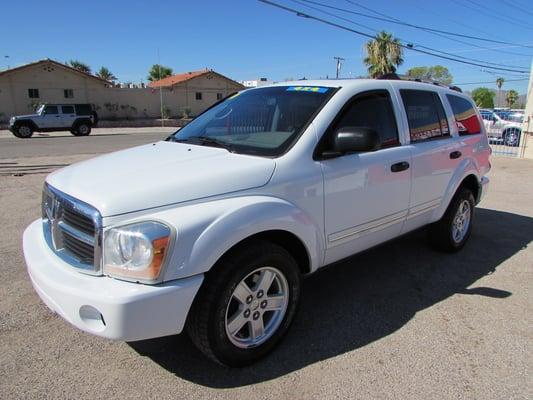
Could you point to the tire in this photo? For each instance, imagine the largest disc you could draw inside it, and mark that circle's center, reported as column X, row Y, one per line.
column 452, row 231
column 217, row 312
column 24, row 131
column 81, row 129
column 511, row 137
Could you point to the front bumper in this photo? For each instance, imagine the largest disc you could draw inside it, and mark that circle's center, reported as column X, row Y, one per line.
column 105, row 306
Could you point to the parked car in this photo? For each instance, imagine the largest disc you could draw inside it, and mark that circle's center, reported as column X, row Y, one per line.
column 507, row 130
column 76, row 118
column 212, row 230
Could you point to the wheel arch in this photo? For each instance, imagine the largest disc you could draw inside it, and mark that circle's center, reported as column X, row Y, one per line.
column 29, row 122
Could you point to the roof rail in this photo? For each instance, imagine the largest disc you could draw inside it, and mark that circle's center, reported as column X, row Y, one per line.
column 394, row 76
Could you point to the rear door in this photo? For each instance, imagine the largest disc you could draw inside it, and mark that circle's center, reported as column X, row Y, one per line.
column 435, row 153
column 51, row 118
column 68, row 115
column 366, row 193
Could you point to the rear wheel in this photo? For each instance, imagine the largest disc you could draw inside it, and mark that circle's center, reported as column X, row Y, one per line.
column 81, row 129
column 452, row 231
column 246, row 305
column 24, row 131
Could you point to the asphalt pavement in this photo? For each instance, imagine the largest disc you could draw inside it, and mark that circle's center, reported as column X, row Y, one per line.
column 400, row 321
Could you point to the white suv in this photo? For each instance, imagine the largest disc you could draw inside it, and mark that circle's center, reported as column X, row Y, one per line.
column 500, row 129
column 212, row 229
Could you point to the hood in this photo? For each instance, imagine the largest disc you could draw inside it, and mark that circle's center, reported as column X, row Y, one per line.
column 26, row 116
column 159, row 174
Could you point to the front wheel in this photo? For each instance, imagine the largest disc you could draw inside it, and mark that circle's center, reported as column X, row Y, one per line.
column 24, row 132
column 452, row 231
column 246, row 305
column 512, row 137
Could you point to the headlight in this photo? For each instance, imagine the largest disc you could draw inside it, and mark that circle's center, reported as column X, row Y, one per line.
column 136, row 251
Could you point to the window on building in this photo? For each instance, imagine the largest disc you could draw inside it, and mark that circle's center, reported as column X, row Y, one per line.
column 219, row 96
column 51, row 110
column 69, row 93
column 372, row 110
column 33, row 93
column 465, row 115
column 425, row 115
column 198, row 95
column 67, row 109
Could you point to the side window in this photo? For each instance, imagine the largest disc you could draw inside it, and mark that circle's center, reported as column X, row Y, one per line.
column 33, row 93
column 51, row 110
column 465, row 115
column 67, row 109
column 373, row 110
column 425, row 115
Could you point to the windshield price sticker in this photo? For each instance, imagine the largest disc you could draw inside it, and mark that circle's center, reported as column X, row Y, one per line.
column 314, row 89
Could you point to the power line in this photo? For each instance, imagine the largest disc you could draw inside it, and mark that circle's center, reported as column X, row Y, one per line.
column 399, row 22
column 435, row 32
column 485, row 11
column 483, row 82
column 409, row 46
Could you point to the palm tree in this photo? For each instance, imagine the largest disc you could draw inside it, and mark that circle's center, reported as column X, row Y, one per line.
column 499, row 83
column 158, row 72
column 80, row 66
column 106, row 74
column 512, row 96
column 384, row 54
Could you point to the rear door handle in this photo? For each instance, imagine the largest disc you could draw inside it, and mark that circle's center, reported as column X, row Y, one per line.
column 455, row 154
column 400, row 166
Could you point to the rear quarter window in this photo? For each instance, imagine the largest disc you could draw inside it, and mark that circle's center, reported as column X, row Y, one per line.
column 465, row 115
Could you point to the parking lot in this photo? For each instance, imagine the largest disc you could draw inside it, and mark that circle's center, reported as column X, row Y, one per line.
column 399, row 321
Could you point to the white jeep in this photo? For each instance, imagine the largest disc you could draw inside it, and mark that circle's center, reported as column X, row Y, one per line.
column 76, row 118
column 212, row 230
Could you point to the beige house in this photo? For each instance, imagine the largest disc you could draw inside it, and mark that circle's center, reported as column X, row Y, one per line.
column 48, row 81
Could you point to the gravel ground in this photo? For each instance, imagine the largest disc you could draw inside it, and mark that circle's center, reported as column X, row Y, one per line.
column 399, row 321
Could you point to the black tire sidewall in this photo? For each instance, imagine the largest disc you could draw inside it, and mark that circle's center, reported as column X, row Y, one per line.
column 76, row 130
column 225, row 351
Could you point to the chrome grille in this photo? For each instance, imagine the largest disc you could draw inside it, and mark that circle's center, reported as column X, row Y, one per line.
column 72, row 229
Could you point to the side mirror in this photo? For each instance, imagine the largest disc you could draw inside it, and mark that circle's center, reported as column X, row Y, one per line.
column 353, row 139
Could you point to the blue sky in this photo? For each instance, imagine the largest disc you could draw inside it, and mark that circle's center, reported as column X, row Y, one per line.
column 245, row 39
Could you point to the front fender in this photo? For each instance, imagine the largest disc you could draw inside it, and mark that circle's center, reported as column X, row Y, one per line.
column 466, row 167
column 205, row 231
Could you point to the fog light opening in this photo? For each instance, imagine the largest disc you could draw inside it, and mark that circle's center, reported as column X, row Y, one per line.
column 92, row 318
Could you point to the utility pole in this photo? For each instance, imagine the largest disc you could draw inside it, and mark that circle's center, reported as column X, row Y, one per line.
column 160, row 88
column 339, row 60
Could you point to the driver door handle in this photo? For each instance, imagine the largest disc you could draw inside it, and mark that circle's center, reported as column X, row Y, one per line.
column 400, row 166
column 455, row 154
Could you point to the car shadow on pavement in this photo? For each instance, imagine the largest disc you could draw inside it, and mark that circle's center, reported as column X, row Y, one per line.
column 362, row 300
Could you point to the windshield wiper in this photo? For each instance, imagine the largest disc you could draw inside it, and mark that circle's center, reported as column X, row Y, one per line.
column 206, row 141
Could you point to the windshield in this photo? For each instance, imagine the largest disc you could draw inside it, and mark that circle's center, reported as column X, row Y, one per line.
column 263, row 121
column 40, row 109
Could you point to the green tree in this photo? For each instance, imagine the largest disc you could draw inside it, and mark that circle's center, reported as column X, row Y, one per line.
column 106, row 74
column 511, row 98
column 80, row 66
column 158, row 72
column 384, row 54
column 483, row 97
column 436, row 73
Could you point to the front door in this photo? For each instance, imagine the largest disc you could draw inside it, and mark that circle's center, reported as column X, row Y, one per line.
column 51, row 118
column 367, row 193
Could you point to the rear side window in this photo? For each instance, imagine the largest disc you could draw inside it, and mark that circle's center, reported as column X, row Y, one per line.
column 67, row 109
column 465, row 115
column 425, row 115
column 372, row 110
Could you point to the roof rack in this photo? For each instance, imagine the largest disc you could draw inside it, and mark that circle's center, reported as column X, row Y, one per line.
column 394, row 76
